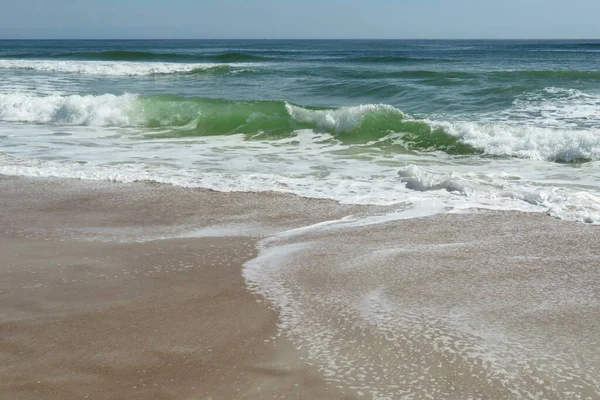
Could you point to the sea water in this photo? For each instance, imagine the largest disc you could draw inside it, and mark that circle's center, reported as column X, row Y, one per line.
column 459, row 124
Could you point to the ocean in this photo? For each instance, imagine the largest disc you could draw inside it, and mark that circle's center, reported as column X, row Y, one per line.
column 436, row 125
column 431, row 269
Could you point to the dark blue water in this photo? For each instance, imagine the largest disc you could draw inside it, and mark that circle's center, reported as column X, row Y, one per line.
column 416, row 76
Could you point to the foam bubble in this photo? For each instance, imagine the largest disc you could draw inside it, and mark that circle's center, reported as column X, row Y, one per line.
column 420, row 180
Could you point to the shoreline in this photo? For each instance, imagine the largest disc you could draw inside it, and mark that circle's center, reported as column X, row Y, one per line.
column 113, row 290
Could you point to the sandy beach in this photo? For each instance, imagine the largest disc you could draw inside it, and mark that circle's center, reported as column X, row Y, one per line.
column 95, row 306
column 141, row 291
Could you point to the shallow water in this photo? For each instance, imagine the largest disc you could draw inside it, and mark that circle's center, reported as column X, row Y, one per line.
column 483, row 305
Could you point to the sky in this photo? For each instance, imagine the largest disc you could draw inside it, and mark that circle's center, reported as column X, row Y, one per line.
column 306, row 19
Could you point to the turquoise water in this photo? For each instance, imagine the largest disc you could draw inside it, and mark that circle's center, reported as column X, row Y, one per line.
column 458, row 124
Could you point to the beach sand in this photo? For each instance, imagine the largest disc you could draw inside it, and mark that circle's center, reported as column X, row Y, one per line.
column 139, row 291
column 88, row 313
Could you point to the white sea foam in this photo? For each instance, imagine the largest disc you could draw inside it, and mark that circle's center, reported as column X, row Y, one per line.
column 211, row 163
column 491, row 190
column 104, row 110
column 533, row 142
column 555, row 107
column 343, row 119
column 110, row 68
column 421, row 180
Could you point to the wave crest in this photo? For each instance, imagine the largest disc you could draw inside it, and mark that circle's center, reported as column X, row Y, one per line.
column 345, row 119
column 370, row 124
column 104, row 110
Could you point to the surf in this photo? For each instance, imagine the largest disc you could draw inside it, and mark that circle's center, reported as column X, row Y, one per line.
column 378, row 125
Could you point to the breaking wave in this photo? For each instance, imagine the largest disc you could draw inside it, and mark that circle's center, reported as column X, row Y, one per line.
column 124, row 68
column 376, row 124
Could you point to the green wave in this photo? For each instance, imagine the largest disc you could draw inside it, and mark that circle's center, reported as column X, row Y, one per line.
column 271, row 119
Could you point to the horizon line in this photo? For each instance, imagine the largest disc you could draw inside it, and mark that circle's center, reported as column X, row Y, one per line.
column 306, row 39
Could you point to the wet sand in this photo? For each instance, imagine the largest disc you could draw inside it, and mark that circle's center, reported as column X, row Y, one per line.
column 86, row 312
column 479, row 305
column 125, row 291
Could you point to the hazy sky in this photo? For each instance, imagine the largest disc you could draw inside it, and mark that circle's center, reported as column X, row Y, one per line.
column 299, row 19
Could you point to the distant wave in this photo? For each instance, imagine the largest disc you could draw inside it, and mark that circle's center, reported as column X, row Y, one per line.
column 125, row 68
column 126, row 55
column 551, row 74
column 393, row 59
column 499, row 74
column 445, row 76
column 595, row 45
column 236, row 57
